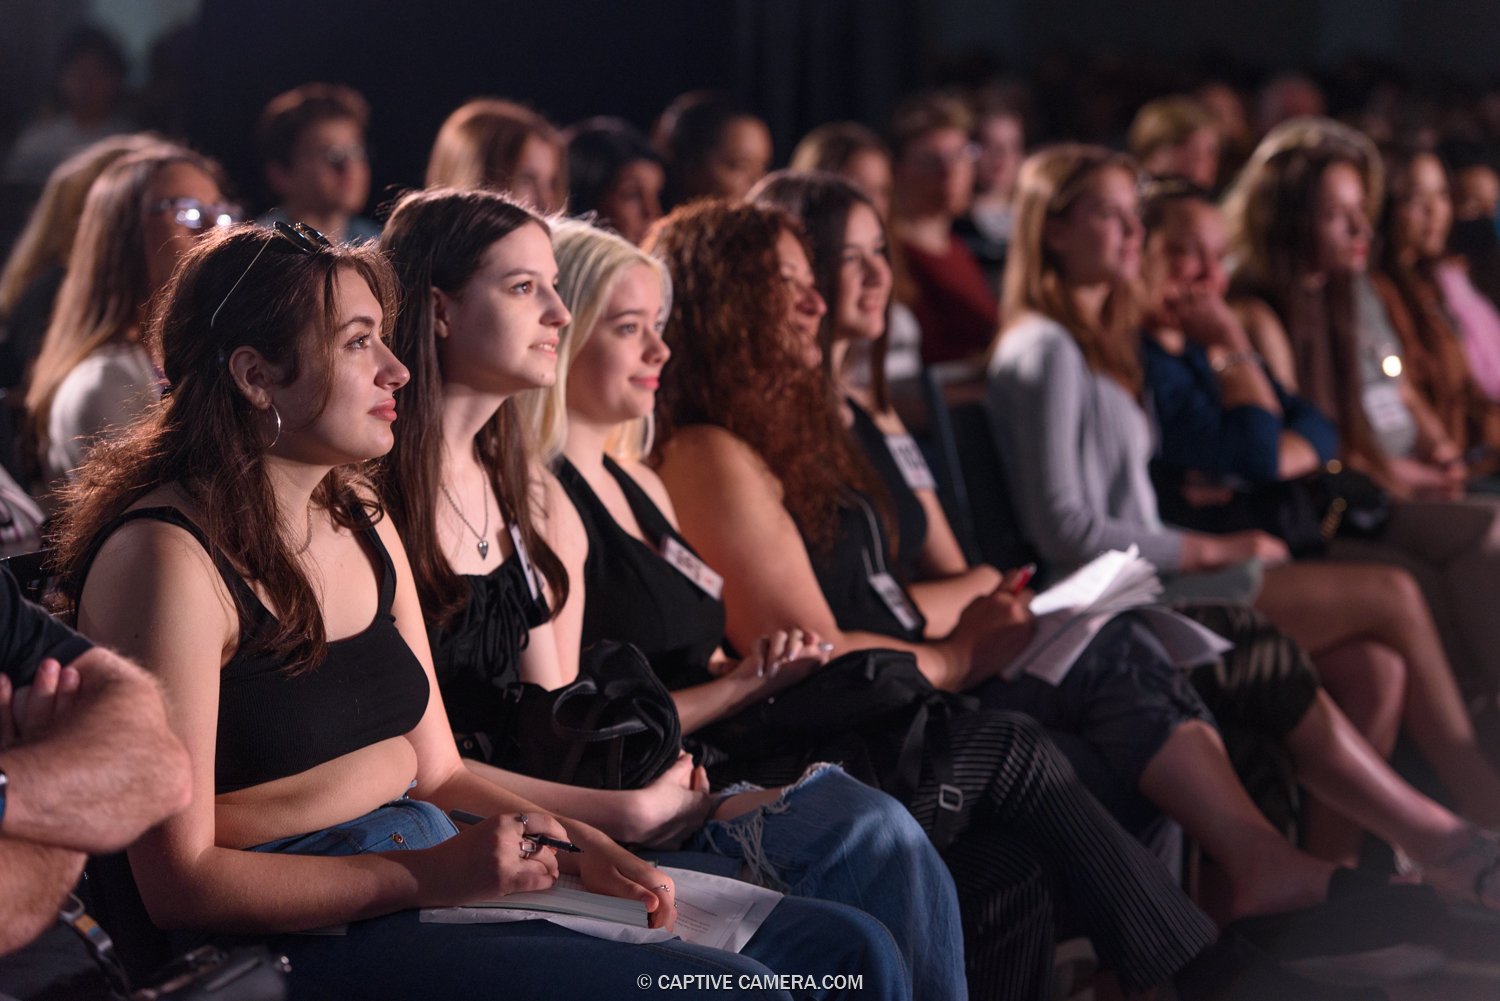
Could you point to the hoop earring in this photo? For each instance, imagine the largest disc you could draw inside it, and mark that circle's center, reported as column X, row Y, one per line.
column 277, row 436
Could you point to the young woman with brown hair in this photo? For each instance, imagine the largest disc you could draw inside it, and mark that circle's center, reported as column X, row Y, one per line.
column 500, row 145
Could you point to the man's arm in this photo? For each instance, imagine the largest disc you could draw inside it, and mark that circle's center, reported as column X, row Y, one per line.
column 102, row 773
column 33, row 880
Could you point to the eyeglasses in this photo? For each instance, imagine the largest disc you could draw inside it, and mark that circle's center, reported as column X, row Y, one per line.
column 339, row 156
column 195, row 215
column 291, row 237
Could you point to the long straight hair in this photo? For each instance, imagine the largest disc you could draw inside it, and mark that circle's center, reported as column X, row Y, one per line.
column 480, row 142
column 231, row 290
column 108, row 284
column 437, row 239
column 1048, row 187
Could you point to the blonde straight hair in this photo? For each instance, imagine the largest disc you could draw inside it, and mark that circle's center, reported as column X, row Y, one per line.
column 590, row 261
column 1049, row 185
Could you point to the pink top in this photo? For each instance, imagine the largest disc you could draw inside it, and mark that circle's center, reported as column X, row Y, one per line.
column 1477, row 322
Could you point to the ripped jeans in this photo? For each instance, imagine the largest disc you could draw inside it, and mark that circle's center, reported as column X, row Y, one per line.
column 832, row 837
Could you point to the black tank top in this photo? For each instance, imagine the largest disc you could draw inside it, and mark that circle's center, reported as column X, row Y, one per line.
column 633, row 594
column 911, row 519
column 477, row 654
column 844, row 572
column 370, row 687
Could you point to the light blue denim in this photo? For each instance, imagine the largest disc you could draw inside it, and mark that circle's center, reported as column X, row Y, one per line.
column 400, row 958
column 832, row 837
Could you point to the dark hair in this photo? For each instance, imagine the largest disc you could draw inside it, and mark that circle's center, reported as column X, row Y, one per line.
column 598, row 149
column 920, row 114
column 92, row 40
column 206, row 437
column 437, row 239
column 286, row 116
column 821, row 202
column 735, row 366
column 1160, row 194
column 688, row 132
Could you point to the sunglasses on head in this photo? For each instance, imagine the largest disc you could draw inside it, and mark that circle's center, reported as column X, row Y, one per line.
column 290, row 238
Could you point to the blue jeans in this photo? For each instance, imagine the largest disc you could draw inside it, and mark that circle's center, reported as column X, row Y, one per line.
column 399, row 958
column 832, row 837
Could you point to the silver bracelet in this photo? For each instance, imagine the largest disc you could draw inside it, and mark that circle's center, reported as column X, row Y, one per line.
column 1230, row 359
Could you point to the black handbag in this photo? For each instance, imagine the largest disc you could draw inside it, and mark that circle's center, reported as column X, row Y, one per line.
column 872, row 711
column 615, row 727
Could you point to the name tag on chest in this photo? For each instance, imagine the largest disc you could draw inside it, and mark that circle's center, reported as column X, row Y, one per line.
column 895, row 600
column 914, row 469
column 691, row 567
column 525, row 557
column 1384, row 407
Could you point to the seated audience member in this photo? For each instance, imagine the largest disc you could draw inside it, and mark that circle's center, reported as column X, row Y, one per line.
column 1176, row 137
column 1000, row 134
column 940, row 279
column 1415, row 271
column 323, row 768
column 1285, row 96
column 1224, row 101
column 39, row 260
column 623, row 586
column 94, row 371
column 500, row 145
column 87, row 97
column 87, row 764
column 712, row 147
column 614, row 173
column 1475, row 193
column 465, row 462
column 314, row 159
column 744, row 486
column 1299, row 230
column 1221, row 417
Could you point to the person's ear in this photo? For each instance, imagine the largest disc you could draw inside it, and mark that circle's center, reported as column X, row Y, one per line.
column 442, row 306
column 254, row 376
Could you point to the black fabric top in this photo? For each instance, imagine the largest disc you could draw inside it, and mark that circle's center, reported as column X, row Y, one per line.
column 369, row 688
column 633, row 594
column 844, row 573
column 478, row 653
column 28, row 635
column 911, row 519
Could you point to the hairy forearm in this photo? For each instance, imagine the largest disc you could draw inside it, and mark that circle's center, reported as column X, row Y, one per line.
column 105, row 773
column 33, row 881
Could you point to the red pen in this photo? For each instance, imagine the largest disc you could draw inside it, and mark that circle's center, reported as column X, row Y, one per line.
column 1023, row 577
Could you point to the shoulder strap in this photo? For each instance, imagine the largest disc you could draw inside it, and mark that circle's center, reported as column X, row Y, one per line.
column 654, row 524
column 237, row 587
column 364, row 525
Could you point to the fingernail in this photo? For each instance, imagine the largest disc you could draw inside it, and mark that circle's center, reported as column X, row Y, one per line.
column 760, row 668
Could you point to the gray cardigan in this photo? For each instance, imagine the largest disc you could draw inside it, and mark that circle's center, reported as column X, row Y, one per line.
column 1075, row 446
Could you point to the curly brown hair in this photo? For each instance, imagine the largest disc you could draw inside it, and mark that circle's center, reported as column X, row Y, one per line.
column 736, row 364
column 206, row 438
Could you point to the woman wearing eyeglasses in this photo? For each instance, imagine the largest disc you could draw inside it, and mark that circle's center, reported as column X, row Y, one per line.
column 94, row 371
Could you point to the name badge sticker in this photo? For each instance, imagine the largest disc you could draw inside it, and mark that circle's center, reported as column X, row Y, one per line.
column 908, row 456
column 690, row 566
column 895, row 599
column 526, row 567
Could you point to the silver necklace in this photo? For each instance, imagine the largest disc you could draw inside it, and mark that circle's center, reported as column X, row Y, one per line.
column 483, row 543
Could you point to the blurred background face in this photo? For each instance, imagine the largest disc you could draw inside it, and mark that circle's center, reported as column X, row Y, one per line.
column 870, row 171
column 1098, row 239
column 1002, row 147
column 1195, row 158
column 329, row 169
column 165, row 234
column 935, row 174
column 89, row 87
column 633, row 200
column 1425, row 215
column 1341, row 227
column 1187, row 251
column 534, row 179
column 1476, row 193
column 739, row 160
column 864, row 288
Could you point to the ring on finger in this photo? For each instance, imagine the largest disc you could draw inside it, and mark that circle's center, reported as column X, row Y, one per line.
column 522, row 818
column 529, row 847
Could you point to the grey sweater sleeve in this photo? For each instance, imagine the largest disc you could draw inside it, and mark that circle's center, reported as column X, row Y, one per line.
column 1042, row 406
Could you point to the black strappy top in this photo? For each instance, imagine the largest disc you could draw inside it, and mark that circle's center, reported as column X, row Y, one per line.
column 369, row 688
column 636, row 596
column 911, row 518
column 844, row 572
column 477, row 655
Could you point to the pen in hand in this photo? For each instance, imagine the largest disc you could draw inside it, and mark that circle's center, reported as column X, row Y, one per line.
column 1023, row 577
column 541, row 840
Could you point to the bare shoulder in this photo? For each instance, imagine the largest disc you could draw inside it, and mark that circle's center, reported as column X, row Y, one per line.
column 1267, row 336
column 645, row 477
column 708, row 455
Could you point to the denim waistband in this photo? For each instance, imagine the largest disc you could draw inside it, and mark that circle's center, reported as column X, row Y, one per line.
column 401, row 825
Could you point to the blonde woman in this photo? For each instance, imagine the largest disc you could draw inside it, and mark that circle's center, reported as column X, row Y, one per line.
column 502, row 146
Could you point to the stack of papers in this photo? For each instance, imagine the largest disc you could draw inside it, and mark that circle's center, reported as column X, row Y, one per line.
column 1070, row 614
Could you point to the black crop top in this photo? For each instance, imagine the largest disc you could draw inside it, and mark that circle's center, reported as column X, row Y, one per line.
column 369, row 688
column 911, row 518
column 477, row 654
column 633, row 594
